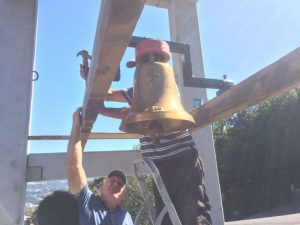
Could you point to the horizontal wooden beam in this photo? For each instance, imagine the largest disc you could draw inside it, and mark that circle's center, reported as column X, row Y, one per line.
column 116, row 23
column 40, row 167
column 275, row 79
column 91, row 136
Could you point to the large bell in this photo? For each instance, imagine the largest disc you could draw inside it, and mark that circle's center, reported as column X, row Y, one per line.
column 156, row 106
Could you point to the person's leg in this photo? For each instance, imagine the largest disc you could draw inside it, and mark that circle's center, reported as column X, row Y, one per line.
column 166, row 169
column 191, row 201
column 184, row 179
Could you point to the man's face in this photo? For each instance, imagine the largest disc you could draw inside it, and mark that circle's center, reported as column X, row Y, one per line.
column 113, row 189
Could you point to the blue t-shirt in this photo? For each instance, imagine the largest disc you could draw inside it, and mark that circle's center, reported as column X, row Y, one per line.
column 92, row 211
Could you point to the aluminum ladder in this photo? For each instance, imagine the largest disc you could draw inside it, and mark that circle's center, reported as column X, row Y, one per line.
column 169, row 208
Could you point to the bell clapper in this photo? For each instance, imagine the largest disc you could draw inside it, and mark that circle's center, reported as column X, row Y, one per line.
column 155, row 130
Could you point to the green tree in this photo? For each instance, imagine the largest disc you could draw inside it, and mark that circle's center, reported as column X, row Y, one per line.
column 258, row 151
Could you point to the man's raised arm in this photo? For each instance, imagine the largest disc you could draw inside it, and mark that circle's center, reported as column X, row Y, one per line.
column 115, row 96
column 76, row 175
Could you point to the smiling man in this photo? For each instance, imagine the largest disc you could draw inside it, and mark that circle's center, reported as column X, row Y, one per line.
column 94, row 210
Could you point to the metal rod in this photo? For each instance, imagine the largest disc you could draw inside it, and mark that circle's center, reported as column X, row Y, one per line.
column 189, row 79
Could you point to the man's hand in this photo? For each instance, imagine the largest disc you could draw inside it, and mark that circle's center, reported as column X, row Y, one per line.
column 117, row 113
column 77, row 119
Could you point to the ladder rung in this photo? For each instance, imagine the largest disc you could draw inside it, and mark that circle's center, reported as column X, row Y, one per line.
column 169, row 207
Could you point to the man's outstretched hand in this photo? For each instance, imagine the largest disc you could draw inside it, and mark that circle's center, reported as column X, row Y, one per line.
column 77, row 119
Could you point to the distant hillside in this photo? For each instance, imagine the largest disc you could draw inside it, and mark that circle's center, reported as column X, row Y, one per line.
column 35, row 192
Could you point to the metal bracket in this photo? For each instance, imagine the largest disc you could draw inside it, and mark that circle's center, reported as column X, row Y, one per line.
column 189, row 79
column 37, row 75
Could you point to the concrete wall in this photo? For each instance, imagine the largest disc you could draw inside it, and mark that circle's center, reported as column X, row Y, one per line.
column 17, row 40
column 96, row 164
column 185, row 29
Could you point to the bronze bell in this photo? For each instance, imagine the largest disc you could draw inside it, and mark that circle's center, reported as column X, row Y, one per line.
column 156, row 106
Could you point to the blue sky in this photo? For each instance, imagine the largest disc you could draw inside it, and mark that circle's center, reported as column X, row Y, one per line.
column 238, row 38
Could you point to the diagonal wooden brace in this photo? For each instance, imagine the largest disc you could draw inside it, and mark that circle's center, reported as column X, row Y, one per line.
column 116, row 23
column 273, row 80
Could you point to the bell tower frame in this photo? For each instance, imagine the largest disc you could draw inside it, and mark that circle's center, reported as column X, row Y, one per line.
column 18, row 21
column 17, row 45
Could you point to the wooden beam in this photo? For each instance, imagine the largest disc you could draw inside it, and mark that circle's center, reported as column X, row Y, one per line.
column 275, row 79
column 159, row 3
column 91, row 136
column 116, row 22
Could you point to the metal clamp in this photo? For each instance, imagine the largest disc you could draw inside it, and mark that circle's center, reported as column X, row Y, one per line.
column 188, row 78
column 36, row 75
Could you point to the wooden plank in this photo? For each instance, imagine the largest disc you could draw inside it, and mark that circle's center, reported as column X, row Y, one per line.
column 91, row 136
column 271, row 81
column 116, row 22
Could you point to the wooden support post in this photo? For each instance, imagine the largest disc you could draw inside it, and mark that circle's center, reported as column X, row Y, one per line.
column 117, row 20
column 275, row 79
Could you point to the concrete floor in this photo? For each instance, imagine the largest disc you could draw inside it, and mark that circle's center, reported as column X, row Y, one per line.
column 291, row 219
column 283, row 215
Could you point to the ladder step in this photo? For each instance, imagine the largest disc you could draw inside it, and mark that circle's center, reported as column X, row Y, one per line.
column 169, row 207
